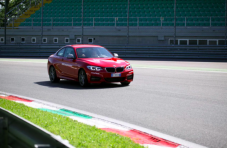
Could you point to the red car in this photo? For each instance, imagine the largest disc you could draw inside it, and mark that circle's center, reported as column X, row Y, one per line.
column 88, row 64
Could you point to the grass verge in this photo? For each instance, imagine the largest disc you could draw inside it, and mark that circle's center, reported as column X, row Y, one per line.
column 78, row 134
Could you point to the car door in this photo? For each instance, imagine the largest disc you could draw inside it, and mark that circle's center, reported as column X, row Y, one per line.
column 70, row 66
column 58, row 64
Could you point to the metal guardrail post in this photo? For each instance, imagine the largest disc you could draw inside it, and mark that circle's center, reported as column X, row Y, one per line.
column 137, row 23
column 72, row 22
column 115, row 22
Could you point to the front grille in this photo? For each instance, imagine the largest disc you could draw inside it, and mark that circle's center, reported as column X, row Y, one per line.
column 95, row 78
column 112, row 69
column 130, row 77
column 115, row 79
column 119, row 69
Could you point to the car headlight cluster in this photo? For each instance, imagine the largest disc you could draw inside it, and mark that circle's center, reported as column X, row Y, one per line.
column 94, row 68
column 128, row 67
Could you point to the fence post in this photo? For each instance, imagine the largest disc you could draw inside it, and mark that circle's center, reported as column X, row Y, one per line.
column 128, row 23
column 161, row 22
column 225, row 21
column 5, row 24
column 137, row 23
column 210, row 21
column 72, row 22
column 175, row 1
column 93, row 22
column 185, row 21
column 115, row 22
column 13, row 23
column 32, row 23
column 42, row 23
column 51, row 22
column 82, row 22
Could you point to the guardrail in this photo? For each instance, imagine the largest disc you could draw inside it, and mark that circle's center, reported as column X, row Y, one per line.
column 133, row 51
column 16, row 132
column 53, row 22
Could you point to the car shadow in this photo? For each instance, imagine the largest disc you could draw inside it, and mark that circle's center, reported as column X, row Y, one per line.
column 67, row 84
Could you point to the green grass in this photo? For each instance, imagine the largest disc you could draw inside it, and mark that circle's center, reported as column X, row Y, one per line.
column 78, row 134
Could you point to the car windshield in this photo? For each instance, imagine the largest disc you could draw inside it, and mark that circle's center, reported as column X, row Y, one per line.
column 93, row 52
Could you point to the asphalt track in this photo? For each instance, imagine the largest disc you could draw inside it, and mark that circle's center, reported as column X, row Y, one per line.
column 184, row 99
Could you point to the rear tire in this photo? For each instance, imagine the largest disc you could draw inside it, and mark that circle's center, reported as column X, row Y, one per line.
column 125, row 83
column 52, row 75
column 83, row 78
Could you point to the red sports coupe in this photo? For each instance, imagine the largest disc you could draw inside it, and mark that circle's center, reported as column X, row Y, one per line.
column 88, row 64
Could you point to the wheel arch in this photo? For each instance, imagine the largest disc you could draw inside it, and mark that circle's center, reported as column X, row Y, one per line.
column 57, row 72
column 81, row 68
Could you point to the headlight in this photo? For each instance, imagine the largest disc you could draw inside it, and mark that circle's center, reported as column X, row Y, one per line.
column 94, row 68
column 129, row 67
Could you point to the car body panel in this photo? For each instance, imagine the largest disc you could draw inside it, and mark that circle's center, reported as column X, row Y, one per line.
column 69, row 68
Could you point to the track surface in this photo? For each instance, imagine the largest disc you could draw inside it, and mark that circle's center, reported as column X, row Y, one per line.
column 187, row 100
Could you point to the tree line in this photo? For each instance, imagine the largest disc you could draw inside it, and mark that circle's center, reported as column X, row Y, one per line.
column 9, row 6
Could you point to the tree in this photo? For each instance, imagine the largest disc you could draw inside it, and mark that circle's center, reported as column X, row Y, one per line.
column 24, row 4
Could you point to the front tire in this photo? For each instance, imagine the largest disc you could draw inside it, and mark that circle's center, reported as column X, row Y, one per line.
column 125, row 83
column 52, row 75
column 83, row 78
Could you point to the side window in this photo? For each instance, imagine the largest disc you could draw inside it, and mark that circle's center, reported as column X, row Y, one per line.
column 61, row 52
column 69, row 51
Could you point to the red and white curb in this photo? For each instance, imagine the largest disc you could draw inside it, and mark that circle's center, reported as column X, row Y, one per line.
column 142, row 136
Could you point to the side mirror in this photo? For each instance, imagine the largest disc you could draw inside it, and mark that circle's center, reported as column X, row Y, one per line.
column 115, row 55
column 70, row 56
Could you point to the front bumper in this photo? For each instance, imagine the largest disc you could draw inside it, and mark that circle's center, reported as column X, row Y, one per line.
column 98, row 77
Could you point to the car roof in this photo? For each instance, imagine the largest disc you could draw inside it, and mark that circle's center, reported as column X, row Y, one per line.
column 84, row 45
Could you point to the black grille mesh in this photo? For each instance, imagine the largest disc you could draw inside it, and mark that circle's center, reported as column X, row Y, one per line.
column 112, row 69
column 119, row 69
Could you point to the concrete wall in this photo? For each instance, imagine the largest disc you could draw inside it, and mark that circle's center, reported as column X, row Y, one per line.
column 112, row 35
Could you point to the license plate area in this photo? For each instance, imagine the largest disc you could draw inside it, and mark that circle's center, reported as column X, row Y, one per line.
column 116, row 75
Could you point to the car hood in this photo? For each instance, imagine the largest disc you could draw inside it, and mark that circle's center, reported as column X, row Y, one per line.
column 105, row 62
